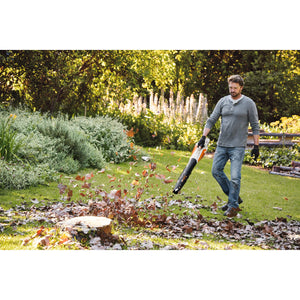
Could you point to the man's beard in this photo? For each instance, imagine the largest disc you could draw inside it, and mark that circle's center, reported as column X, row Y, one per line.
column 233, row 94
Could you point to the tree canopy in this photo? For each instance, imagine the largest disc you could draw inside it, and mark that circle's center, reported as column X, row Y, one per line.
column 72, row 81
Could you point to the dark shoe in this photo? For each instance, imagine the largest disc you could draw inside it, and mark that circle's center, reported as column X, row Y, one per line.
column 232, row 212
column 225, row 207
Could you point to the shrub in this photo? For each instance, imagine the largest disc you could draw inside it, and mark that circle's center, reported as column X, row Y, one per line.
column 9, row 144
column 69, row 141
column 106, row 135
column 153, row 130
column 20, row 176
column 287, row 125
column 270, row 157
column 61, row 145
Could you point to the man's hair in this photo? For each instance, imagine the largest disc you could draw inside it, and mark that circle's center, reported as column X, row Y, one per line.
column 237, row 79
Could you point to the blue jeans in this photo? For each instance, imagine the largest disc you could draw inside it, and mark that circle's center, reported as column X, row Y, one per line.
column 230, row 188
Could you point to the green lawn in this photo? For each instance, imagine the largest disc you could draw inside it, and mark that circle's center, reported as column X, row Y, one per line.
column 266, row 196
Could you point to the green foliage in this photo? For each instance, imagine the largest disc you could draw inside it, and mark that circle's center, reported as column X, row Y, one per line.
column 106, row 135
column 62, row 145
column 283, row 156
column 20, row 176
column 286, row 125
column 156, row 130
column 269, row 157
column 9, row 144
column 69, row 141
column 151, row 130
column 78, row 82
column 273, row 82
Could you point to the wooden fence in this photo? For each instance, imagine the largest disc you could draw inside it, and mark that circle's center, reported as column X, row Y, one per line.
column 188, row 110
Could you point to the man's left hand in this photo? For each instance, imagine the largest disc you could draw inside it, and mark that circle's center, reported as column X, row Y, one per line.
column 255, row 152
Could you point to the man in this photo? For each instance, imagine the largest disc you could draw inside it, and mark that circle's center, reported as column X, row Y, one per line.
column 236, row 111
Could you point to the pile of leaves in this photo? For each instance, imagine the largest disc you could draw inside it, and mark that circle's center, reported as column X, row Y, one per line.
column 276, row 234
column 152, row 216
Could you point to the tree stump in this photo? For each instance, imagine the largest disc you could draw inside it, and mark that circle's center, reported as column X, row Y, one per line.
column 86, row 227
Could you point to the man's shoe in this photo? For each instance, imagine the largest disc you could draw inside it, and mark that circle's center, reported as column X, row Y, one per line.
column 232, row 212
column 225, row 207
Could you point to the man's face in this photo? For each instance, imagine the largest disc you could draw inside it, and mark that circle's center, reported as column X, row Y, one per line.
column 235, row 90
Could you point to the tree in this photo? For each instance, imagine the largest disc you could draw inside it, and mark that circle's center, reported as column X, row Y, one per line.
column 74, row 82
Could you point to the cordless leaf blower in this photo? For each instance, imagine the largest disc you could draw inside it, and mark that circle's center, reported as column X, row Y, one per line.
column 196, row 156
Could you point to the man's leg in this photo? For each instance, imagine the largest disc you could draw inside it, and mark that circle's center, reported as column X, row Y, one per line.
column 236, row 156
column 220, row 159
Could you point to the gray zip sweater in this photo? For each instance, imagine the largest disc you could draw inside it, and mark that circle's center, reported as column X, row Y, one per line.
column 236, row 116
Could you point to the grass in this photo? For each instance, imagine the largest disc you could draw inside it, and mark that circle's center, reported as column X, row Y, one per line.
column 207, row 242
column 260, row 191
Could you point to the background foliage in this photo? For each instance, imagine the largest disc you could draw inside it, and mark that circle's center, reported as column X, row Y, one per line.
column 79, row 82
column 66, row 85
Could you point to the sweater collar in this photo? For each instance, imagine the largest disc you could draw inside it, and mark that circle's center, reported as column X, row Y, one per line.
column 236, row 101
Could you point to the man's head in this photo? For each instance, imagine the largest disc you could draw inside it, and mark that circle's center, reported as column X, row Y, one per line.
column 235, row 84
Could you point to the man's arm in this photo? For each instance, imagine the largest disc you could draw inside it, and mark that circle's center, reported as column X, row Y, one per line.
column 206, row 131
column 256, row 139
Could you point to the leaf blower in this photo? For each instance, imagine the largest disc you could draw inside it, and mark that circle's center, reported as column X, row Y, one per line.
column 196, row 156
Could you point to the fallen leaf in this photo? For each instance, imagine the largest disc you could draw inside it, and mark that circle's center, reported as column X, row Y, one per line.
column 26, row 241
column 70, row 194
column 89, row 176
column 188, row 229
column 268, row 229
column 40, row 230
column 139, row 193
column 78, row 177
column 158, row 176
column 168, row 180
column 115, row 194
column 131, row 132
column 112, row 179
column 152, row 166
column 62, row 188
column 86, row 185
column 214, row 206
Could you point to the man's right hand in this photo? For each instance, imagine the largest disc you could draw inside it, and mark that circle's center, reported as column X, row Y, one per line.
column 201, row 143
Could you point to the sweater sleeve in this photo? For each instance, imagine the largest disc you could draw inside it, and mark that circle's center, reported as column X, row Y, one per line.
column 215, row 115
column 253, row 118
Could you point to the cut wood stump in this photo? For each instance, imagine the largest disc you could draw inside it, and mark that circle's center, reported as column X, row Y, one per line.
column 88, row 226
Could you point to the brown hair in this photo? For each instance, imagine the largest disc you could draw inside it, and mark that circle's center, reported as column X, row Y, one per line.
column 237, row 79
